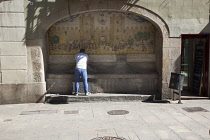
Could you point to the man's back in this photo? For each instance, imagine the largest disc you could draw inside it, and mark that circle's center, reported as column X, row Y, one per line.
column 81, row 60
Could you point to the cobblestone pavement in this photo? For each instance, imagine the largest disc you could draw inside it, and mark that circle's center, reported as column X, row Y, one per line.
column 107, row 121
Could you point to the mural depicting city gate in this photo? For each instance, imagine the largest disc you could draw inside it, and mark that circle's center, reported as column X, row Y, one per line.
column 102, row 32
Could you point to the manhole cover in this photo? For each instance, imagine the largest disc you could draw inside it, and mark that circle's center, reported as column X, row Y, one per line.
column 109, row 138
column 117, row 112
column 195, row 109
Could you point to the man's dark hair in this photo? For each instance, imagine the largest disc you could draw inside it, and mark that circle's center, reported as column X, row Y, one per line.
column 82, row 50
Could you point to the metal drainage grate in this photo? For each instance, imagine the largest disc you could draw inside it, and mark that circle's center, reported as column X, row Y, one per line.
column 109, row 138
column 71, row 112
column 117, row 112
column 38, row 112
column 7, row 120
column 195, row 109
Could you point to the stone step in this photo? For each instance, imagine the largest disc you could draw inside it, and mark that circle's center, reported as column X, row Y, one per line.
column 99, row 97
column 194, row 98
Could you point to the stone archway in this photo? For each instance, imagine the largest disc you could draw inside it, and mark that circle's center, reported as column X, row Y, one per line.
column 152, row 17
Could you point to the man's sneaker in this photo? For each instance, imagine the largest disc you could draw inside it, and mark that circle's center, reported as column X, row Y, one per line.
column 76, row 94
column 86, row 94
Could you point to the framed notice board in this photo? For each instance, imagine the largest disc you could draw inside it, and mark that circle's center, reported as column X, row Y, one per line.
column 198, row 69
column 176, row 81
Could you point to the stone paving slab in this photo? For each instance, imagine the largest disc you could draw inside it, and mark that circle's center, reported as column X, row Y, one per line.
column 86, row 121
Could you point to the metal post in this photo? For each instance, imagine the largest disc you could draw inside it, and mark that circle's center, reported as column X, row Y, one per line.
column 180, row 90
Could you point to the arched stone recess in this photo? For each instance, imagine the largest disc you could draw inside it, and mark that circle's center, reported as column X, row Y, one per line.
column 166, row 54
column 170, row 50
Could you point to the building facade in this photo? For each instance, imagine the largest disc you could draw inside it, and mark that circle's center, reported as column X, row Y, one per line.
column 133, row 46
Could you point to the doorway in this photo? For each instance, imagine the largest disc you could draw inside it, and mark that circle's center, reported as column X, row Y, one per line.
column 195, row 64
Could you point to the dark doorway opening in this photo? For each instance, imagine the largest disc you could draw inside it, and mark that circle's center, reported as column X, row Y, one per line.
column 195, row 64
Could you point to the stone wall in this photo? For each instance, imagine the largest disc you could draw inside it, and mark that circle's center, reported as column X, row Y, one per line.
column 24, row 23
column 161, row 15
column 181, row 16
column 14, row 83
column 106, row 73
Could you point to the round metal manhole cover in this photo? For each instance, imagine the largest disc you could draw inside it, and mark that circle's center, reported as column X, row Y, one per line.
column 117, row 112
column 109, row 138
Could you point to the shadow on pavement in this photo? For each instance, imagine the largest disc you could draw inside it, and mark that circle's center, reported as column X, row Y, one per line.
column 57, row 99
column 156, row 101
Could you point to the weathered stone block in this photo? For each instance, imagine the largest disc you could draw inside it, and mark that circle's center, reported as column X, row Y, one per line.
column 12, row 19
column 187, row 2
column 166, row 43
column 179, row 3
column 149, row 85
column 166, row 53
column 175, row 42
column 60, row 85
column 204, row 2
column 176, row 64
column 12, row 6
column 12, row 34
column 35, row 53
column 174, row 53
column 141, row 3
column 175, row 31
column 166, row 70
column 141, row 58
column 36, row 92
column 0, row 77
column 166, row 92
column 35, row 64
column 14, row 76
column 127, row 83
column 61, row 59
column 12, row 48
column 37, row 77
column 62, row 68
column 22, row 93
column 103, row 58
column 13, row 93
column 13, row 62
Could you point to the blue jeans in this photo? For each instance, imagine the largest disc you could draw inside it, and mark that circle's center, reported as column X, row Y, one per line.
column 83, row 74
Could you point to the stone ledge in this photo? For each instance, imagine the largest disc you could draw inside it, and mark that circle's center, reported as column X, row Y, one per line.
column 104, row 76
column 102, row 97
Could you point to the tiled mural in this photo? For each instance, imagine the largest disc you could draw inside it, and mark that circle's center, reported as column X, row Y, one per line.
column 102, row 32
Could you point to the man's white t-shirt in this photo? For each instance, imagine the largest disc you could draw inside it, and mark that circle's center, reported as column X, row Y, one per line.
column 81, row 60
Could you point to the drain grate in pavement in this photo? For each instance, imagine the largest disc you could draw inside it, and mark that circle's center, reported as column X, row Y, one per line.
column 71, row 112
column 194, row 109
column 7, row 120
column 38, row 112
column 117, row 112
column 109, row 138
